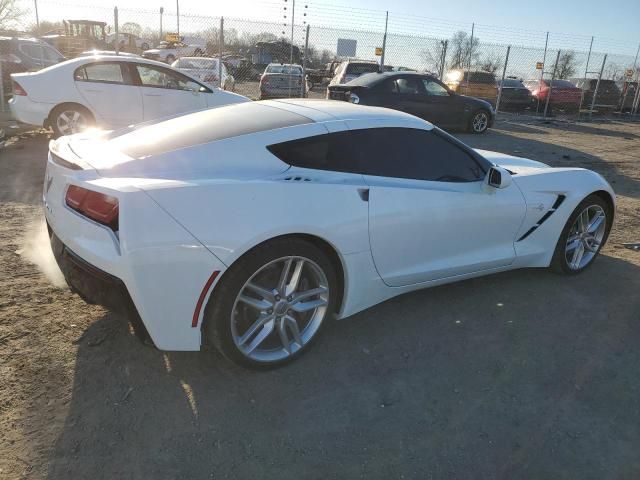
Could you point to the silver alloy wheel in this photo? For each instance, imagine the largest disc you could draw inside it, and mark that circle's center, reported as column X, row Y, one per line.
column 480, row 122
column 71, row 121
column 279, row 309
column 585, row 237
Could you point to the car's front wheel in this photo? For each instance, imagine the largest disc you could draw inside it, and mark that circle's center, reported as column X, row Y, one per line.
column 583, row 236
column 479, row 121
column 272, row 303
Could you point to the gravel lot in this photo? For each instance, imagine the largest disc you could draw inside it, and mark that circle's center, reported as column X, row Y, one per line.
column 519, row 375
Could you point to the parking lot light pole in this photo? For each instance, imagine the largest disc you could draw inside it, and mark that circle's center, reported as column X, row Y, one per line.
column 504, row 72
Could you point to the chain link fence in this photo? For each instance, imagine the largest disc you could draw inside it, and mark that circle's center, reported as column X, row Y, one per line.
column 518, row 72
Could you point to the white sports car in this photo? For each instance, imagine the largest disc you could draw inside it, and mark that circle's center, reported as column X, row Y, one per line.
column 109, row 91
column 249, row 226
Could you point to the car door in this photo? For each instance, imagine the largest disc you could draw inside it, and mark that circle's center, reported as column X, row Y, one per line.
column 166, row 92
column 439, row 105
column 431, row 216
column 109, row 91
column 403, row 93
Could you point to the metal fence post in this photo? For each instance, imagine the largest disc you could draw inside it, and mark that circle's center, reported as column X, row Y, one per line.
column 178, row 17
column 2, row 89
column 636, row 97
column 553, row 77
column 220, row 50
column 504, row 72
column 443, row 59
column 35, row 3
column 304, row 62
column 161, row 12
column 626, row 90
column 115, row 24
column 586, row 72
column 473, row 27
column 384, row 42
column 595, row 92
column 544, row 65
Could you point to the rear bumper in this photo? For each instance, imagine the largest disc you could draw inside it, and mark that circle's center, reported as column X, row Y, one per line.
column 27, row 111
column 95, row 286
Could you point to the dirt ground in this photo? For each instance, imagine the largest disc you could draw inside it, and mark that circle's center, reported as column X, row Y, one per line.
column 523, row 374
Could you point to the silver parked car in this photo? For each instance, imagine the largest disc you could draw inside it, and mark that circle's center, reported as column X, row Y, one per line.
column 282, row 81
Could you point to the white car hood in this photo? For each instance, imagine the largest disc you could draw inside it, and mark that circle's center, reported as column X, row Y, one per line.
column 515, row 164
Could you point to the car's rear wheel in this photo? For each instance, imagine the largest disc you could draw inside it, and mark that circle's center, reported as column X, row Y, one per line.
column 479, row 121
column 170, row 59
column 583, row 236
column 69, row 119
column 272, row 303
column 144, row 46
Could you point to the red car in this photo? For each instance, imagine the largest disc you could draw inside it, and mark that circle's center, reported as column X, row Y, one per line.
column 564, row 95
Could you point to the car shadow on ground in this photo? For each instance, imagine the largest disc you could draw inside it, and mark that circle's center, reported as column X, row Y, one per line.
column 554, row 153
column 521, row 374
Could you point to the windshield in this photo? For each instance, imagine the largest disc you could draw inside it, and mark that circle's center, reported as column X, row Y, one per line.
column 198, row 63
column 285, row 69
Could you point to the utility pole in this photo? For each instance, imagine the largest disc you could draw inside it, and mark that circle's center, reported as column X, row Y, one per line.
column 161, row 12
column 178, row 17
column 35, row 3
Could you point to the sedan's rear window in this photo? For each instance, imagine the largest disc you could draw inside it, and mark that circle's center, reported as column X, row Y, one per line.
column 284, row 69
column 202, row 127
column 481, row 77
column 561, row 84
column 360, row 68
column 510, row 83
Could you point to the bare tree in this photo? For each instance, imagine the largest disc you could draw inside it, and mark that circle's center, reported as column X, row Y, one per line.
column 46, row 26
column 567, row 65
column 464, row 49
column 433, row 57
column 131, row 27
column 490, row 63
column 10, row 13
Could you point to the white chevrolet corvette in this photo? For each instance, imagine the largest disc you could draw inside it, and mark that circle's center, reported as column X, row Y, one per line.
column 249, row 226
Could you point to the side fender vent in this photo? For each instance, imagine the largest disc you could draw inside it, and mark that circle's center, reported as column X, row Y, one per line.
column 297, row 179
column 553, row 208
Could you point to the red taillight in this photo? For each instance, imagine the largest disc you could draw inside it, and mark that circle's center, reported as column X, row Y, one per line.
column 18, row 90
column 94, row 205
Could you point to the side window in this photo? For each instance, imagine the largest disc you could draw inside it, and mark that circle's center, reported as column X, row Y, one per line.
column 151, row 76
column 52, row 55
column 100, row 72
column 414, row 154
column 408, row 86
column 386, row 152
column 434, row 88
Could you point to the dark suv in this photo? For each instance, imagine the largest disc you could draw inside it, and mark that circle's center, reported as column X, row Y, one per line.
column 607, row 98
column 25, row 55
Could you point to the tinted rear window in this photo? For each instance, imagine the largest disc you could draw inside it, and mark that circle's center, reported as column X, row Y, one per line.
column 360, row 68
column 512, row 83
column 562, row 84
column 202, row 127
column 481, row 77
column 284, row 69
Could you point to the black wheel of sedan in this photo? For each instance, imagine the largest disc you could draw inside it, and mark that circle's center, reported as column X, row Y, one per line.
column 170, row 59
column 583, row 236
column 479, row 121
column 272, row 303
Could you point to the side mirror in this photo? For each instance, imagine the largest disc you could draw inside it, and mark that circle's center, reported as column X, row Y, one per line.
column 498, row 177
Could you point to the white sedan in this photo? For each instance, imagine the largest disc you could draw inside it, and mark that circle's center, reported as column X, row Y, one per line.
column 249, row 226
column 207, row 70
column 108, row 91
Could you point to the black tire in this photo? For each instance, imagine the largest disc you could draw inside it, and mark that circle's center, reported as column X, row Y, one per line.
column 559, row 262
column 144, row 46
column 66, row 108
column 218, row 313
column 170, row 59
column 476, row 116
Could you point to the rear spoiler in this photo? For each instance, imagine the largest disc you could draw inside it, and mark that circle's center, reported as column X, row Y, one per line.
column 62, row 154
